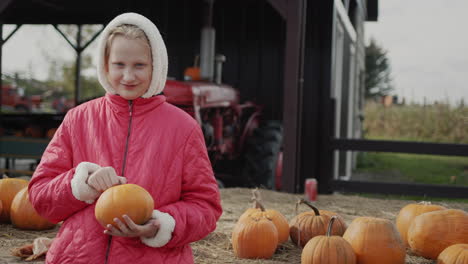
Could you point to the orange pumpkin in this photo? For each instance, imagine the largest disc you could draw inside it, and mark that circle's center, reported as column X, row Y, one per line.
column 129, row 199
column 328, row 249
column 24, row 216
column 8, row 189
column 1, row 207
column 409, row 212
column 307, row 225
column 455, row 254
column 430, row 233
column 278, row 219
column 51, row 132
column 255, row 236
column 375, row 240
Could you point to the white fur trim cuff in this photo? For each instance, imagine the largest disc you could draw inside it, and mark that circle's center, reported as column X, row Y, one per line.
column 80, row 189
column 165, row 230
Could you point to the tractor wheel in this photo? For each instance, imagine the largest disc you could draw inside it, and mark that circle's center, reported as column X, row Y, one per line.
column 261, row 155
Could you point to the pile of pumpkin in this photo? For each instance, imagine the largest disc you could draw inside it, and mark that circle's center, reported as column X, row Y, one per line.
column 16, row 208
column 430, row 231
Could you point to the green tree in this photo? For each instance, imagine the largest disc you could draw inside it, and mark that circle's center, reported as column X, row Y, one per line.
column 62, row 73
column 378, row 71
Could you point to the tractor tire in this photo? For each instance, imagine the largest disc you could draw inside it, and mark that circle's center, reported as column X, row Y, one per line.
column 261, row 155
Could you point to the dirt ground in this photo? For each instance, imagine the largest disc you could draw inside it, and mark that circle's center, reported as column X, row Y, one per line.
column 216, row 248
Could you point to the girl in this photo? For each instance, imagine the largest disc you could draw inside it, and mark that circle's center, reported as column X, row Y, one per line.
column 131, row 135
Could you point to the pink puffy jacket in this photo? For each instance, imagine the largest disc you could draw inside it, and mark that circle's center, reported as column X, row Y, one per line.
column 165, row 154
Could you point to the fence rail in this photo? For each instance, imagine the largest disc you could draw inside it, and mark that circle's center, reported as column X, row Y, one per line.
column 446, row 191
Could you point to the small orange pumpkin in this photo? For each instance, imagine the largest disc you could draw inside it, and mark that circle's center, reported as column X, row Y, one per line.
column 307, row 225
column 375, row 240
column 431, row 233
column 255, row 236
column 8, row 189
column 129, row 199
column 51, row 132
column 455, row 254
column 24, row 216
column 278, row 219
column 408, row 213
column 328, row 249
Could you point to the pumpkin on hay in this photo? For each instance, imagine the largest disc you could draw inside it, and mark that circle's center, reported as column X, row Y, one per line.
column 328, row 249
column 409, row 212
column 9, row 187
column 431, row 233
column 255, row 236
column 455, row 254
column 307, row 225
column 24, row 216
column 278, row 219
column 375, row 240
column 125, row 199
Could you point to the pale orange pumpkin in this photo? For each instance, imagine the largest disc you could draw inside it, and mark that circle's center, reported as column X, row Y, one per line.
column 375, row 240
column 409, row 212
column 128, row 199
column 278, row 219
column 255, row 236
column 430, row 233
column 309, row 224
column 328, row 249
column 51, row 132
column 24, row 216
column 8, row 189
column 455, row 254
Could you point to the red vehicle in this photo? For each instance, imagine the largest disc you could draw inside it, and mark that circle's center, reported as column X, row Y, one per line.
column 13, row 99
column 244, row 150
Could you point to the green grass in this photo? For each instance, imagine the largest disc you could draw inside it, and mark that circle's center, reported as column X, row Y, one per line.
column 409, row 197
column 427, row 169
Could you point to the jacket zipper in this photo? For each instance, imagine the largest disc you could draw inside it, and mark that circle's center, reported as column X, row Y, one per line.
column 130, row 114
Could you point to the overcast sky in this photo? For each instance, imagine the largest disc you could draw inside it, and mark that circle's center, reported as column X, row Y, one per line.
column 427, row 44
column 426, row 41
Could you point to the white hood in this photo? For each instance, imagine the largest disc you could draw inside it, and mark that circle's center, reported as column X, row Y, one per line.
column 158, row 50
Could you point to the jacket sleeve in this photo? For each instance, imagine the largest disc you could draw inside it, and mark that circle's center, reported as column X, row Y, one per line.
column 199, row 207
column 50, row 189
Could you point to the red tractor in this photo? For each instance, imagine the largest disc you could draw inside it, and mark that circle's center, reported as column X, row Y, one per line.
column 13, row 99
column 244, row 149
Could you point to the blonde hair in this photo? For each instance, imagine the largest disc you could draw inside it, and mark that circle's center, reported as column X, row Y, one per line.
column 127, row 30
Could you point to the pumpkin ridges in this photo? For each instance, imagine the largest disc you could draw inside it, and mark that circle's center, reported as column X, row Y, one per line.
column 328, row 249
column 8, row 189
column 409, row 212
column 129, row 199
column 454, row 254
column 279, row 220
column 371, row 238
column 306, row 225
column 430, row 233
column 255, row 237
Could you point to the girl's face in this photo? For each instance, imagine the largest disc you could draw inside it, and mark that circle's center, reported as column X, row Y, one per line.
column 129, row 67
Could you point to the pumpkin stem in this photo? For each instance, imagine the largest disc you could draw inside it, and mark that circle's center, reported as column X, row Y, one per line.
column 316, row 211
column 256, row 200
column 330, row 225
column 425, row 203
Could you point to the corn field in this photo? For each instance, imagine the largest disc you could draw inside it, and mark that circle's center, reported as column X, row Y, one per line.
column 430, row 123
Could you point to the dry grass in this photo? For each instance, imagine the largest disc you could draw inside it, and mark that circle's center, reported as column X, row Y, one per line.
column 216, row 247
column 432, row 123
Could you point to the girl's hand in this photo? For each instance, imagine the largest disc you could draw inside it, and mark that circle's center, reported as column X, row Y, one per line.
column 130, row 229
column 104, row 178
